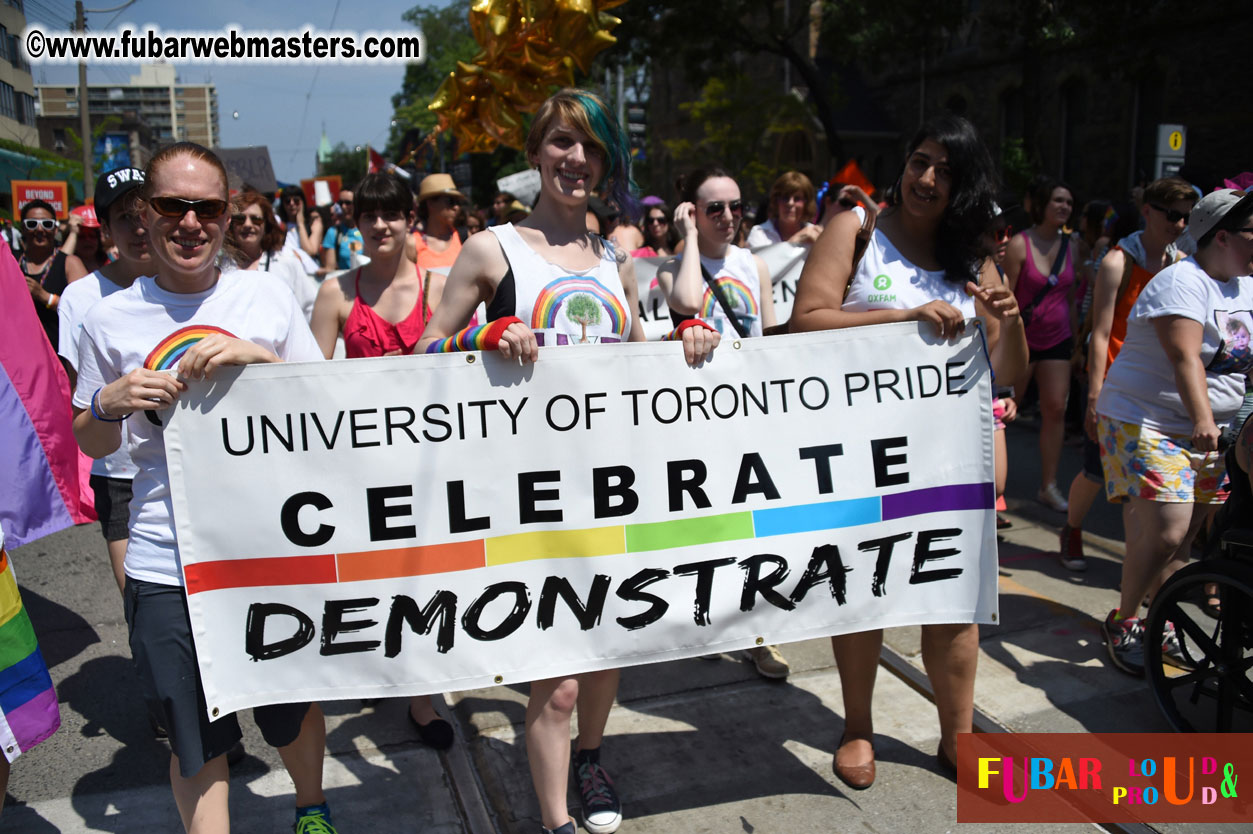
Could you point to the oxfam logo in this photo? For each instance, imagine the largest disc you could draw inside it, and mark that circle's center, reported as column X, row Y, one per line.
column 882, row 283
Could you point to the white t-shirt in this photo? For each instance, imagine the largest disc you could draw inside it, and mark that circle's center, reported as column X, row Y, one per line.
column 146, row 326
column 885, row 280
column 292, row 244
column 285, row 266
column 1141, row 384
column 77, row 299
column 764, row 234
column 740, row 283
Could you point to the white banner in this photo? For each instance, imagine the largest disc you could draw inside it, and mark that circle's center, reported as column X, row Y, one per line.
column 784, row 260
column 386, row 527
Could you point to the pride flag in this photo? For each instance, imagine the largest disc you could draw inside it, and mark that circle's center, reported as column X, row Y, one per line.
column 43, row 477
column 28, row 704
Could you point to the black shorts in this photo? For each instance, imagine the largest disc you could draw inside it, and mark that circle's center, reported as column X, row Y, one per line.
column 113, row 506
column 1060, row 351
column 161, row 645
column 1092, row 461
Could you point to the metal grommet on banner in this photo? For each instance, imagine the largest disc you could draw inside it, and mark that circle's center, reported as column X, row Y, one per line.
column 993, row 616
column 470, row 358
column 761, row 641
column 736, row 344
column 499, row 679
column 215, row 712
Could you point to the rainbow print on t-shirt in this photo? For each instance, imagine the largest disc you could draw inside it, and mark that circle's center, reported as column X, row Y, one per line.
column 551, row 300
column 171, row 349
column 738, row 295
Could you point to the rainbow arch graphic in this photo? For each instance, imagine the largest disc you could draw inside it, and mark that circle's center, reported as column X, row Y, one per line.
column 550, row 300
column 171, row 349
column 740, row 295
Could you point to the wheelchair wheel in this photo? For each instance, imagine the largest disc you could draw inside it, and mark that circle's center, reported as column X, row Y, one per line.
column 1216, row 693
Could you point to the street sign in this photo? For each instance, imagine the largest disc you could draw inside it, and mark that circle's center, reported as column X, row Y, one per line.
column 1172, row 145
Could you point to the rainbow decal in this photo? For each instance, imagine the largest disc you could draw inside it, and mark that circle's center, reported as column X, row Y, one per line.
column 741, row 297
column 28, row 703
column 166, row 355
column 425, row 560
column 551, row 299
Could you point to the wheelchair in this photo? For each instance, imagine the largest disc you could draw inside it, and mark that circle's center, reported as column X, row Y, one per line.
column 1216, row 694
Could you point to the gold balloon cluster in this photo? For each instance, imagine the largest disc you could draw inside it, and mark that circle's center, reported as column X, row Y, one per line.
column 528, row 47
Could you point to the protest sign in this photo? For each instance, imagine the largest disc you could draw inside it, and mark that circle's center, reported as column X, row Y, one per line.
column 249, row 166
column 783, row 260
column 53, row 193
column 524, row 185
column 393, row 526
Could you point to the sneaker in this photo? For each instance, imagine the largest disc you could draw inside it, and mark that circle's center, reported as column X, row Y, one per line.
column 314, row 819
column 568, row 828
column 602, row 811
column 769, row 662
column 1070, row 544
column 1125, row 641
column 1051, row 497
column 1172, row 651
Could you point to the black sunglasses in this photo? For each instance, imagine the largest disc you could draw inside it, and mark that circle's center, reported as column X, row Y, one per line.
column 239, row 219
column 33, row 223
column 716, row 208
column 178, row 207
column 345, row 202
column 1172, row 215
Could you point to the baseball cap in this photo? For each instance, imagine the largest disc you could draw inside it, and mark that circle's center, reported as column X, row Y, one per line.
column 88, row 213
column 1213, row 207
column 113, row 184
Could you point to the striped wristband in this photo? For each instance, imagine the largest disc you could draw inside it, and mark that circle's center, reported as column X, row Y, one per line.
column 677, row 333
column 484, row 337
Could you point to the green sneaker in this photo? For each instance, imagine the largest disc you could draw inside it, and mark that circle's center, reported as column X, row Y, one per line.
column 314, row 819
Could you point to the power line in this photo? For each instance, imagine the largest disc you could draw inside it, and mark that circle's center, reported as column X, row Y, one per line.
column 304, row 113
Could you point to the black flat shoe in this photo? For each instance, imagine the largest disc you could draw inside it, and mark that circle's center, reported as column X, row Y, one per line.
column 437, row 734
column 947, row 766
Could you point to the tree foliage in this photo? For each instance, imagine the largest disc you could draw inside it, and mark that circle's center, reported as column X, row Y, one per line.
column 346, row 161
column 583, row 309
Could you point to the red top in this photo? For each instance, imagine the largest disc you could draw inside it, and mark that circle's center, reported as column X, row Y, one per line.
column 366, row 333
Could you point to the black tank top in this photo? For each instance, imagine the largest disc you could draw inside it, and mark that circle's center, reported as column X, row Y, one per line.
column 54, row 282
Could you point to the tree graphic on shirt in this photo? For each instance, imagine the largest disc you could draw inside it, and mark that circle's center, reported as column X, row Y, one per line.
column 584, row 310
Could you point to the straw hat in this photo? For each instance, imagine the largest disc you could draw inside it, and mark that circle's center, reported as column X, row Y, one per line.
column 438, row 185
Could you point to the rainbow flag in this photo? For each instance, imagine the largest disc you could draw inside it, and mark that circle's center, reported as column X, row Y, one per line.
column 43, row 476
column 28, row 704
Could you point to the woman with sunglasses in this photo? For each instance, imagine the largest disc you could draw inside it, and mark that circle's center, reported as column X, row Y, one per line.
column 255, row 241
column 835, row 198
column 931, row 244
column 437, row 242
column 578, row 146
column 660, row 236
column 48, row 271
column 304, row 228
column 789, row 210
column 713, row 276
column 253, row 321
column 1042, row 266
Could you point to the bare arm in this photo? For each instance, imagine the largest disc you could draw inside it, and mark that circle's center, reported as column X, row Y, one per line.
column 1104, row 299
column 1182, row 338
column 328, row 317
column 137, row 390
column 1015, row 257
column 684, row 287
column 74, row 269
column 768, row 317
column 311, row 240
column 1007, row 339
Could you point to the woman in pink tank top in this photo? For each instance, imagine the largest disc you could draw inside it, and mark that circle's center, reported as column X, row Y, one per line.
column 377, row 307
column 1049, row 313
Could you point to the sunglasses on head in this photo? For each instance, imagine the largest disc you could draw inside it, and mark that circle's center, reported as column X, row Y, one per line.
column 178, row 207
column 716, row 208
column 1172, row 215
column 33, row 223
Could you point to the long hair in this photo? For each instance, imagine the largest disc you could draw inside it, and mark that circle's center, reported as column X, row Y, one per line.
column 272, row 235
column 671, row 237
column 587, row 112
column 960, row 246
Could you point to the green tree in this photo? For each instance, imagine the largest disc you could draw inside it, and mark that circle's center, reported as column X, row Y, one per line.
column 348, row 162
column 585, row 310
column 446, row 30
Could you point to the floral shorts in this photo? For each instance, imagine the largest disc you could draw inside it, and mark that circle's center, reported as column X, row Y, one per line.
column 1142, row 463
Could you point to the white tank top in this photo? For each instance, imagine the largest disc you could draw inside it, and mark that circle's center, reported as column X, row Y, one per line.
column 736, row 275
column 564, row 308
column 884, row 280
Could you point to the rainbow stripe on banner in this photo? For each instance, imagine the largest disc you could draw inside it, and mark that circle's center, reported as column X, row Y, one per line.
column 423, row 560
column 165, row 356
column 28, row 703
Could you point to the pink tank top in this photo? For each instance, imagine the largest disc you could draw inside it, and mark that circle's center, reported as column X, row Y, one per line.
column 366, row 333
column 1050, row 319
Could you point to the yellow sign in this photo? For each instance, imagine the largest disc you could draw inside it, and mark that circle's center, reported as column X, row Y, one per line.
column 1176, row 140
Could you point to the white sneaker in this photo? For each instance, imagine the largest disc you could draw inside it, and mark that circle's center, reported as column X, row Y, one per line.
column 1051, row 497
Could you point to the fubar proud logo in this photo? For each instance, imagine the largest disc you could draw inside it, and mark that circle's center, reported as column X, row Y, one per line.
column 1110, row 777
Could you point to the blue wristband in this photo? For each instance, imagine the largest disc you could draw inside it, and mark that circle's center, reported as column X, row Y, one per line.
column 99, row 413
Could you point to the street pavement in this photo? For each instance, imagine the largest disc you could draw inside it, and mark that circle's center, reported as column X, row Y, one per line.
column 700, row 745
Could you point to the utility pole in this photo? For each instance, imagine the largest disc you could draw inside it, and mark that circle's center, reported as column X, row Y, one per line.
column 84, row 118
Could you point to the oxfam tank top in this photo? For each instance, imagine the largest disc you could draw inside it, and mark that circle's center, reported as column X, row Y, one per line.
column 737, row 278
column 885, row 280
column 562, row 308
